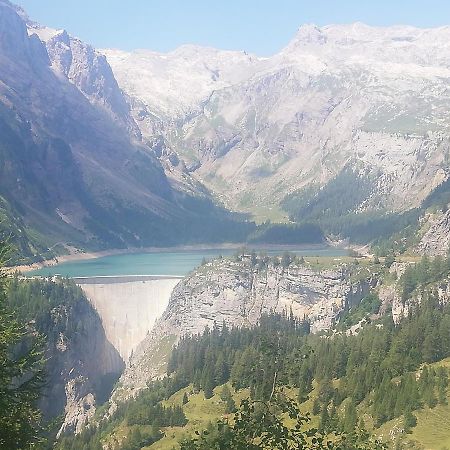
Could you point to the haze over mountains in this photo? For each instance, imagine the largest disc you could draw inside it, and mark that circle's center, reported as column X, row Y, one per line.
column 108, row 148
column 374, row 100
column 343, row 134
column 74, row 167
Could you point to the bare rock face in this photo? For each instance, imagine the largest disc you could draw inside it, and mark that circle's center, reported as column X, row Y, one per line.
column 237, row 294
column 436, row 240
column 82, row 365
column 254, row 129
column 79, row 408
column 88, row 70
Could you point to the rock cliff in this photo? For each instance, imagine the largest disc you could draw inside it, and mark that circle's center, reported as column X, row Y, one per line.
column 81, row 364
column 238, row 293
column 436, row 237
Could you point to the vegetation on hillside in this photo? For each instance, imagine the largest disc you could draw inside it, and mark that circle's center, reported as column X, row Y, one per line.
column 21, row 376
column 338, row 209
column 303, row 390
column 344, row 383
column 280, row 234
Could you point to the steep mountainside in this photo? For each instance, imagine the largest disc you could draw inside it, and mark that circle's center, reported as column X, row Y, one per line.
column 238, row 293
column 384, row 366
column 343, row 97
column 81, row 364
column 73, row 165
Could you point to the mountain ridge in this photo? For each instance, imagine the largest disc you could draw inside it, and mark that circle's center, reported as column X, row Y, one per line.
column 335, row 95
column 74, row 165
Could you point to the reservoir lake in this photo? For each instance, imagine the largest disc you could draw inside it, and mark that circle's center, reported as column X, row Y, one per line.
column 177, row 262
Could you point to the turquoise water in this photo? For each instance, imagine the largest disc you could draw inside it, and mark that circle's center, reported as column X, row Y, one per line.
column 157, row 263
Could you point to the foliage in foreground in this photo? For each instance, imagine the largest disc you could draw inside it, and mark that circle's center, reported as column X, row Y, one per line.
column 263, row 425
column 21, row 376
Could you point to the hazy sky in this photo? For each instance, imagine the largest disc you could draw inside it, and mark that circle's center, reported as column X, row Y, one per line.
column 258, row 26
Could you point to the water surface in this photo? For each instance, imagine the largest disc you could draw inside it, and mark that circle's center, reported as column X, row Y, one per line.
column 179, row 262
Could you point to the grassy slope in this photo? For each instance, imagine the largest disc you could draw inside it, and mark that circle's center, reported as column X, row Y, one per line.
column 433, row 425
column 199, row 412
column 431, row 433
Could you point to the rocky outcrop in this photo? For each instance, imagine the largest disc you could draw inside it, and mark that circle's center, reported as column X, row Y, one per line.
column 82, row 365
column 436, row 239
column 88, row 70
column 237, row 293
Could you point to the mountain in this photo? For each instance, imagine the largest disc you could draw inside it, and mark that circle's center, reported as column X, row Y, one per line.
column 378, row 357
column 74, row 167
column 81, row 365
column 345, row 125
column 267, row 134
column 237, row 293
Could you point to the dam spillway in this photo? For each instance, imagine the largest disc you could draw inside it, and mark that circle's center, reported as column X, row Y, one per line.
column 128, row 305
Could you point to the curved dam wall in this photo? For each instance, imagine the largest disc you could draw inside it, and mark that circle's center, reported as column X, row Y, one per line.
column 128, row 306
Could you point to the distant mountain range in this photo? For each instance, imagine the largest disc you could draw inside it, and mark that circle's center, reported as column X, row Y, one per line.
column 341, row 97
column 112, row 149
column 74, row 167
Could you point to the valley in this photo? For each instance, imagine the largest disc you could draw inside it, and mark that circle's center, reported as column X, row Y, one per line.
column 214, row 249
column 352, row 303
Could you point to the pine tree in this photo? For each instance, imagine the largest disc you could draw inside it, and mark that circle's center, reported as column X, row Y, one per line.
column 221, row 372
column 226, row 397
column 351, row 417
column 442, row 385
column 316, row 407
column 208, row 388
column 324, row 418
column 305, row 382
column 409, row 420
column 21, row 375
column 326, row 390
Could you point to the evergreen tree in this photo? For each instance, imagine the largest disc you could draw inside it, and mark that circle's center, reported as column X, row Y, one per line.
column 226, row 397
column 409, row 420
column 305, row 382
column 442, row 385
column 316, row 407
column 21, row 375
column 351, row 416
column 324, row 418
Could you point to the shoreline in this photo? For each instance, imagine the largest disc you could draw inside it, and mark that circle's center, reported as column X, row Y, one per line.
column 85, row 256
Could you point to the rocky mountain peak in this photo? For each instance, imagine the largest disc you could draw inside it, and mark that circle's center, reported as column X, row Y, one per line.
column 257, row 129
column 87, row 69
column 14, row 40
column 309, row 34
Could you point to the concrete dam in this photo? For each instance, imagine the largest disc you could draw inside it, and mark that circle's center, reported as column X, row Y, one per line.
column 128, row 305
